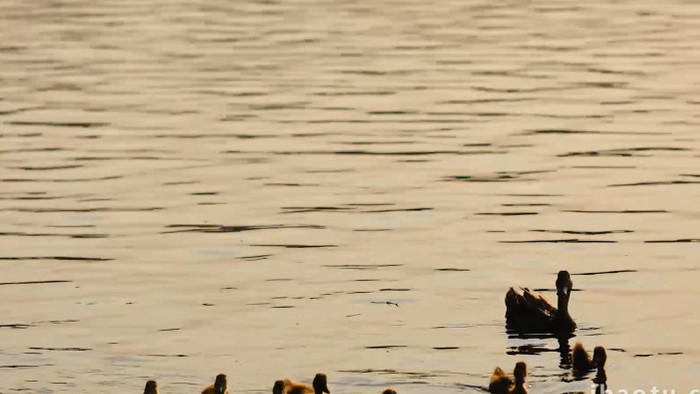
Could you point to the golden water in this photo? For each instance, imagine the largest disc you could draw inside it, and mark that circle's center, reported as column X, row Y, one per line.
column 275, row 188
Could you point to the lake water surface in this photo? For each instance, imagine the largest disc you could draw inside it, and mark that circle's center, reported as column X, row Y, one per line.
column 275, row 188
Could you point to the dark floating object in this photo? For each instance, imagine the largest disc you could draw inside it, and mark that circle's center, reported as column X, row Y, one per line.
column 531, row 313
column 503, row 384
column 220, row 386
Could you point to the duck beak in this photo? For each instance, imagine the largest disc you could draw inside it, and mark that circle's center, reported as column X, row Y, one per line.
column 325, row 390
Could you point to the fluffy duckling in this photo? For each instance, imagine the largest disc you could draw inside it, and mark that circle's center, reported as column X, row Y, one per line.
column 530, row 312
column 220, row 386
column 319, row 385
column 581, row 362
column 389, row 391
column 279, row 387
column 151, row 387
column 599, row 359
column 504, row 384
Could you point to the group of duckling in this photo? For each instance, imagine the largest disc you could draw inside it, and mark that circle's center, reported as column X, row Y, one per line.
column 525, row 313
column 284, row 386
column 531, row 313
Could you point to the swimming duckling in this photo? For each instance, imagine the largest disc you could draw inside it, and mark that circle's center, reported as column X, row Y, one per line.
column 504, row 384
column 582, row 363
column 319, row 385
column 599, row 359
column 279, row 387
column 151, row 387
column 220, row 386
column 530, row 312
column 389, row 391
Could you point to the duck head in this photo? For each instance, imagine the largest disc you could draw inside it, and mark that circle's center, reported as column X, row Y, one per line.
column 151, row 387
column 599, row 357
column 520, row 372
column 220, row 384
column 321, row 383
column 564, row 283
column 389, row 391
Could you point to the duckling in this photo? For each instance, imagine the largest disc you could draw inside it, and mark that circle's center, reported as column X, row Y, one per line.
column 389, row 390
column 599, row 359
column 319, row 386
column 279, row 387
column 220, row 386
column 151, row 387
column 582, row 363
column 530, row 312
column 504, row 384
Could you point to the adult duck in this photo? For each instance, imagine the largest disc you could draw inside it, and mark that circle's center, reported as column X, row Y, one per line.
column 532, row 313
column 503, row 384
column 220, row 386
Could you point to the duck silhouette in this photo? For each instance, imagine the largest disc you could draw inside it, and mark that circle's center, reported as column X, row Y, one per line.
column 532, row 313
column 220, row 386
column 582, row 364
column 503, row 384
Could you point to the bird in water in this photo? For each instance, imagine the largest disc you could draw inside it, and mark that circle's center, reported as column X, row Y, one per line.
column 220, row 386
column 582, row 364
column 286, row 386
column 151, row 387
column 504, row 384
column 532, row 313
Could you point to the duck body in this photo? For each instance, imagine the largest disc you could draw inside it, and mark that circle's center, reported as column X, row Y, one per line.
column 220, row 386
column 532, row 313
